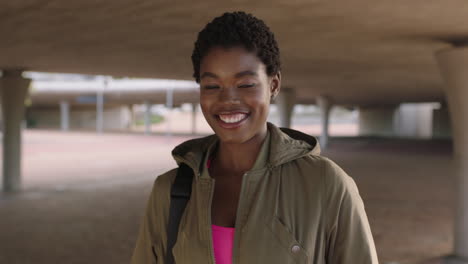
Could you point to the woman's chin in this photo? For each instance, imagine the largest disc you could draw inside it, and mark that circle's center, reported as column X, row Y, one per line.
column 232, row 138
column 237, row 137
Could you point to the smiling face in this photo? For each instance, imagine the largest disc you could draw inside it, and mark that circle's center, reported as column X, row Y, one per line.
column 235, row 93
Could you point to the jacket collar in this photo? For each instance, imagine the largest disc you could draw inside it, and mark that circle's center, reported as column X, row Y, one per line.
column 285, row 145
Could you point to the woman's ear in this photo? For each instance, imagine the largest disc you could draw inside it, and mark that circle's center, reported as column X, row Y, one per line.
column 275, row 85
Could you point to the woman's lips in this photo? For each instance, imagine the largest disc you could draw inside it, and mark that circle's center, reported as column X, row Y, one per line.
column 232, row 120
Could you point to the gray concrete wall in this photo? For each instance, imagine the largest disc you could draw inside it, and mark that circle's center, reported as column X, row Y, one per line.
column 115, row 118
column 377, row 121
column 414, row 120
column 441, row 125
column 409, row 120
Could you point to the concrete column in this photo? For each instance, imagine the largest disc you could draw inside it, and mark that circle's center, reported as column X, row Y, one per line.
column 325, row 105
column 13, row 91
column 147, row 117
column 194, row 118
column 132, row 116
column 441, row 125
column 453, row 64
column 285, row 102
column 1, row 114
column 169, row 105
column 99, row 111
column 377, row 120
column 64, row 115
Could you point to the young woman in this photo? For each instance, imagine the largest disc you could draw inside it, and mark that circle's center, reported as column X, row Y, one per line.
column 260, row 194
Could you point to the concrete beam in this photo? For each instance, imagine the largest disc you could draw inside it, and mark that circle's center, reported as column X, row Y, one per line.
column 13, row 91
column 453, row 64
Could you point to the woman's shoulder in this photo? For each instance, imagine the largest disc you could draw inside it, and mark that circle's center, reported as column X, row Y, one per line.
column 166, row 178
column 162, row 185
column 322, row 164
column 338, row 184
column 326, row 170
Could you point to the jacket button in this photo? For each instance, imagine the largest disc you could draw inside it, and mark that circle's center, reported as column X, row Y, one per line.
column 295, row 249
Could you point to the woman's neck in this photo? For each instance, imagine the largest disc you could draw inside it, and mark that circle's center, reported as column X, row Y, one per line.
column 239, row 158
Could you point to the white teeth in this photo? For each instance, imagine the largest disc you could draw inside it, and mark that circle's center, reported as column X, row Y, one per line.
column 232, row 118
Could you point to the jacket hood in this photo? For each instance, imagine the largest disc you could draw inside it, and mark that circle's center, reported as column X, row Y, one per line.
column 285, row 145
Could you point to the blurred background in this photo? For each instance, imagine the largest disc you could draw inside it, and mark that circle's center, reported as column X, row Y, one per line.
column 94, row 96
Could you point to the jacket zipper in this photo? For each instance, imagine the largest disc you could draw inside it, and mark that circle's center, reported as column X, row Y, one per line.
column 238, row 215
column 209, row 220
column 238, row 230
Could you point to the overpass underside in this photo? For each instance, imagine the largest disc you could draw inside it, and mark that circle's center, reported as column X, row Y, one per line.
column 357, row 54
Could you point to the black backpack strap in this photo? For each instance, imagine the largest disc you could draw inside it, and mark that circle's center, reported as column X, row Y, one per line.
column 180, row 195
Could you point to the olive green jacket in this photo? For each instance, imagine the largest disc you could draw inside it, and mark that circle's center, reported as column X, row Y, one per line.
column 295, row 207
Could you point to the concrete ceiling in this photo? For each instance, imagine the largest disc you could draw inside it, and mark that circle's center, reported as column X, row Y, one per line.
column 357, row 52
column 115, row 98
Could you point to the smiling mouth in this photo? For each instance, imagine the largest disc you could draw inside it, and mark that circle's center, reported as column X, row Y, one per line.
column 232, row 120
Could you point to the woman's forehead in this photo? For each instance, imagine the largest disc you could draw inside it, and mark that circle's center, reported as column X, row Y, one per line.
column 231, row 62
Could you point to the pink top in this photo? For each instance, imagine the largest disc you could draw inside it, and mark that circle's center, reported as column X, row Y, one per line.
column 223, row 238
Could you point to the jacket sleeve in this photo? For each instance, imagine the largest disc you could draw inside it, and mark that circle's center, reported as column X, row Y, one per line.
column 150, row 244
column 349, row 237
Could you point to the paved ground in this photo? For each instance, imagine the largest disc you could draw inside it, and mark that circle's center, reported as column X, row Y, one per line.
column 84, row 195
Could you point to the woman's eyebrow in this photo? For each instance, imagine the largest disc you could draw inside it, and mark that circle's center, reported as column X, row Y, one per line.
column 238, row 75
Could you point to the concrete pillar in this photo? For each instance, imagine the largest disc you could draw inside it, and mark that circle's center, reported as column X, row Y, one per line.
column 325, row 105
column 99, row 110
column 147, row 117
column 377, row 120
column 453, row 64
column 169, row 105
column 285, row 102
column 194, row 118
column 132, row 116
column 13, row 91
column 64, row 115
column 441, row 125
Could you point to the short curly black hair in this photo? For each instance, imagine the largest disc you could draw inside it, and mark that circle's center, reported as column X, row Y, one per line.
column 238, row 29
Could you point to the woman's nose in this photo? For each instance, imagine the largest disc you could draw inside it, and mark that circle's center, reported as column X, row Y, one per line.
column 228, row 94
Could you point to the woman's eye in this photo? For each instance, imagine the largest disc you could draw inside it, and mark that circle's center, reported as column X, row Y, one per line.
column 247, row 85
column 209, row 87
